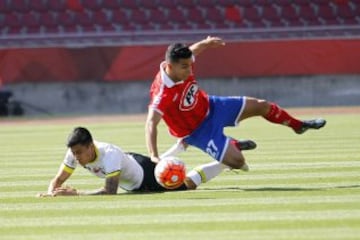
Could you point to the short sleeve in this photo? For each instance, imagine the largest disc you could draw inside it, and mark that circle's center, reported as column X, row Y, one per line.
column 69, row 163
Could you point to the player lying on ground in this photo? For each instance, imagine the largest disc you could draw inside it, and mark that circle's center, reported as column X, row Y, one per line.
column 129, row 171
column 197, row 119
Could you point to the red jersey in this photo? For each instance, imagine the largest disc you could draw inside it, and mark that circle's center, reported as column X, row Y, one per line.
column 183, row 105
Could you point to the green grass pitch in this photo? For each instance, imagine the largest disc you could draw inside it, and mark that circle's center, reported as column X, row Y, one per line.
column 299, row 187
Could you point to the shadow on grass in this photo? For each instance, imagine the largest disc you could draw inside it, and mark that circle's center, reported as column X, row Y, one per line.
column 279, row 189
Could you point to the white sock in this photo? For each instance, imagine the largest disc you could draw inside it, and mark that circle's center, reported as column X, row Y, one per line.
column 205, row 172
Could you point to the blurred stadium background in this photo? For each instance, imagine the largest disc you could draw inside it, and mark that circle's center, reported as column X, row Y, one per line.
column 100, row 56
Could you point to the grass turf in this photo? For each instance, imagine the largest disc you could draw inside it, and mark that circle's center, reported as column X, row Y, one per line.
column 299, row 187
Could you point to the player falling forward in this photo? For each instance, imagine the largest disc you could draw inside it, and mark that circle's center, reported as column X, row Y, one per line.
column 198, row 119
column 129, row 171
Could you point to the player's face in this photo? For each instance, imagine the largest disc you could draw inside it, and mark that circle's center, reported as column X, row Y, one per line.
column 84, row 153
column 181, row 70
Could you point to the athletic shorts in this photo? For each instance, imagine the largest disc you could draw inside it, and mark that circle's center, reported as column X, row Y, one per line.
column 149, row 183
column 209, row 136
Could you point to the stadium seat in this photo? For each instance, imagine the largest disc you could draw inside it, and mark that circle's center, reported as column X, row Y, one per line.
column 12, row 23
column 47, row 19
column 168, row 4
column 214, row 14
column 195, row 15
column 129, row 4
column 271, row 16
column 327, row 15
column 4, row 8
column 289, row 14
column 346, row 15
column 84, row 20
column 67, row 22
column 57, row 6
column 146, row 4
column 282, row 3
column 176, row 15
column 20, row 6
column 92, row 5
column 308, row 16
column 111, row 4
column 252, row 17
column 38, row 6
column 31, row 23
column 101, row 19
column 138, row 16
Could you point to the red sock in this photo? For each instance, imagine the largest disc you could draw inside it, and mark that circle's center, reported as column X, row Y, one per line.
column 280, row 116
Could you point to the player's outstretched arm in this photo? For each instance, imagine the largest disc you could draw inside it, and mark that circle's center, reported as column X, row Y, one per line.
column 56, row 182
column 209, row 42
column 111, row 187
column 152, row 122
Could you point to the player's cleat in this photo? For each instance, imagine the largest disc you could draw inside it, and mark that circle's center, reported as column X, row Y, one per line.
column 244, row 144
column 311, row 124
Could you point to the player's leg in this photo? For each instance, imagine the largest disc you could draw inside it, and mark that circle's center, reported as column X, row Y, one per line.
column 203, row 173
column 275, row 114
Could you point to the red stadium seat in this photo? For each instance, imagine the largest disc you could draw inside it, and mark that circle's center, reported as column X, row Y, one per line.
column 271, row 16
column 38, row 6
column 175, row 15
column 138, row 16
column 47, row 19
column 157, row 16
column 67, row 22
column 346, row 15
column 85, row 21
column 289, row 14
column 12, row 22
column 111, row 4
column 214, row 15
column 129, row 4
column 19, row 6
column 282, row 3
column 195, row 15
column 252, row 17
column 327, row 15
column 92, row 5
column 31, row 23
column 101, row 19
column 146, row 4
column 308, row 15
column 4, row 8
column 57, row 6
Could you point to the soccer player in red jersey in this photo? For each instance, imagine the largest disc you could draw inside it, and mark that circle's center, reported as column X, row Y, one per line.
column 197, row 119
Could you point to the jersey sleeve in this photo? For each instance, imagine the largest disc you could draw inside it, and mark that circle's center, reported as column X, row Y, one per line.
column 113, row 163
column 69, row 163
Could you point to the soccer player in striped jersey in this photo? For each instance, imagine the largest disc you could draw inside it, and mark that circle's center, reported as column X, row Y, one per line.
column 129, row 171
column 197, row 119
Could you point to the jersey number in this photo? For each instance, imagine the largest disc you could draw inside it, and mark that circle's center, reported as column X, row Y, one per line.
column 211, row 149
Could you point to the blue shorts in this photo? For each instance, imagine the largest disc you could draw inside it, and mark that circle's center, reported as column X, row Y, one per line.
column 209, row 136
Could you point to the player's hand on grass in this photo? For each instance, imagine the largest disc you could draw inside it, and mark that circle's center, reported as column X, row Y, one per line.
column 61, row 191
column 65, row 191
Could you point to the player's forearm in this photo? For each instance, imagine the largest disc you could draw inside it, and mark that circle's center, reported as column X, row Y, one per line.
column 151, row 139
column 198, row 47
column 54, row 183
column 101, row 191
column 209, row 42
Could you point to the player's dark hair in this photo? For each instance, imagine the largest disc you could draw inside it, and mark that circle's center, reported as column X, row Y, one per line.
column 79, row 135
column 177, row 51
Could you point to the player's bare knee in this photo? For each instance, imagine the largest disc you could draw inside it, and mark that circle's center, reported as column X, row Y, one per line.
column 235, row 163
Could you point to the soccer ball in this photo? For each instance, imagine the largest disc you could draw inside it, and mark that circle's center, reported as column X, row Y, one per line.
column 170, row 172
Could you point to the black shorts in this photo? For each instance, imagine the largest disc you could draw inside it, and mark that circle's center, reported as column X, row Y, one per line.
column 149, row 183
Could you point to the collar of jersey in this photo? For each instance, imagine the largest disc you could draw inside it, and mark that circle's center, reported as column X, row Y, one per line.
column 97, row 153
column 165, row 78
